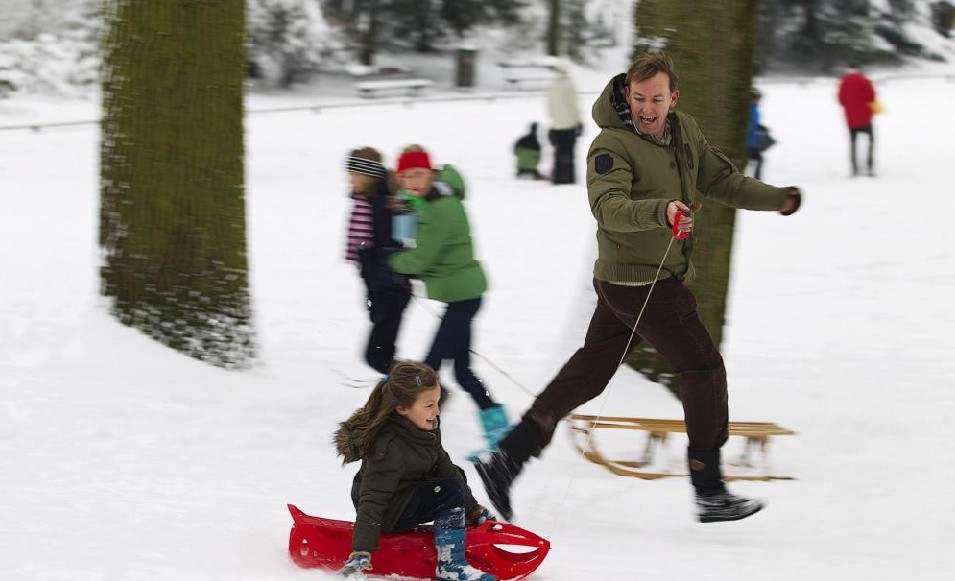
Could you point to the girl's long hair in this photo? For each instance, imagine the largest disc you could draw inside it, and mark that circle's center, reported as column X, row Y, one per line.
column 356, row 436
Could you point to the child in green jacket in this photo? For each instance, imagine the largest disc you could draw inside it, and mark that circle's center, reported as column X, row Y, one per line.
column 527, row 154
column 443, row 258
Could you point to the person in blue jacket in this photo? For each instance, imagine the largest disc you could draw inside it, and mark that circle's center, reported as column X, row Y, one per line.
column 758, row 139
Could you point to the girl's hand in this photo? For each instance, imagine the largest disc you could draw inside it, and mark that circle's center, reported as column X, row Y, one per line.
column 357, row 562
column 479, row 515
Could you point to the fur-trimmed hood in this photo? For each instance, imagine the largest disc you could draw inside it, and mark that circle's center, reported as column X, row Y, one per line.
column 346, row 439
column 347, row 436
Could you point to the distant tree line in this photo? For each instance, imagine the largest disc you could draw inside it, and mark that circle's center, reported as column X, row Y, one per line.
column 823, row 34
column 419, row 25
column 51, row 45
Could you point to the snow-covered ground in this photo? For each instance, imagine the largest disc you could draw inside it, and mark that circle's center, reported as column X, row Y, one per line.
column 121, row 460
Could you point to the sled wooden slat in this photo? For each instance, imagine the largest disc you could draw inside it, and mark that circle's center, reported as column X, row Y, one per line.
column 583, row 426
column 758, row 430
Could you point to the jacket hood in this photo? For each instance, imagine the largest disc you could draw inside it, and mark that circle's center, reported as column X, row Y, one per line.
column 449, row 182
column 611, row 108
column 346, row 439
column 346, row 436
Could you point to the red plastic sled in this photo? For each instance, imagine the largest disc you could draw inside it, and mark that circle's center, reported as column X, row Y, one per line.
column 316, row 542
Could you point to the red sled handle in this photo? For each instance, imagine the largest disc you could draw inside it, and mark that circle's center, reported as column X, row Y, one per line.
column 677, row 233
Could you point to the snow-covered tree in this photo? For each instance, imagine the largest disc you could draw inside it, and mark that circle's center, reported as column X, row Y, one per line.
column 53, row 47
column 830, row 33
column 287, row 39
column 416, row 24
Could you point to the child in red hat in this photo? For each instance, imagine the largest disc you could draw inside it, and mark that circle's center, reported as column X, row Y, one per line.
column 443, row 259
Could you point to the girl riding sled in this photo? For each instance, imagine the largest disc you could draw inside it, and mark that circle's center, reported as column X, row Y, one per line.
column 406, row 478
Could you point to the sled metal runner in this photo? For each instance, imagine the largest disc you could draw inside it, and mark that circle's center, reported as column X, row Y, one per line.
column 504, row 550
column 756, row 436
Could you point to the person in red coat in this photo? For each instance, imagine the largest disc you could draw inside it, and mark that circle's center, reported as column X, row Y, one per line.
column 857, row 96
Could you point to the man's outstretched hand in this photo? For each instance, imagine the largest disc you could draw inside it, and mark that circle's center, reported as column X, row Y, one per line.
column 792, row 202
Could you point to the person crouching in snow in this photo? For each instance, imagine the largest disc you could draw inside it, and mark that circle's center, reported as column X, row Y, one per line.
column 406, row 477
column 443, row 258
column 527, row 153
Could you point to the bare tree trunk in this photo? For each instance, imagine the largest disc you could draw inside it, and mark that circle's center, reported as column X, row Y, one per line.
column 712, row 47
column 553, row 29
column 172, row 218
column 573, row 32
column 369, row 44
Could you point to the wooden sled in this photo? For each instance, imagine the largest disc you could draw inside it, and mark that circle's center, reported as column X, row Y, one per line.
column 757, row 436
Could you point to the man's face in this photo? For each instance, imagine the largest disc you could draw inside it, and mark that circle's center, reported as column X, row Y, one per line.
column 650, row 101
column 425, row 409
column 416, row 180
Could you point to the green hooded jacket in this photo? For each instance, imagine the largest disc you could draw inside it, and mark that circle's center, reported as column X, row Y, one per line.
column 443, row 257
column 402, row 457
column 631, row 179
column 527, row 159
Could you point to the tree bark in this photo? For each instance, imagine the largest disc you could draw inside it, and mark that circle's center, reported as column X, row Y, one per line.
column 712, row 45
column 553, row 29
column 172, row 217
column 369, row 45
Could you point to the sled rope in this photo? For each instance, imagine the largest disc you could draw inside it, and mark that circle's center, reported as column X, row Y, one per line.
column 633, row 331
column 496, row 367
column 623, row 357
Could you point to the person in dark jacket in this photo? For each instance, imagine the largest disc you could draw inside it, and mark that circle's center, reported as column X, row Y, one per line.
column 647, row 164
column 406, row 477
column 527, row 153
column 369, row 235
column 857, row 97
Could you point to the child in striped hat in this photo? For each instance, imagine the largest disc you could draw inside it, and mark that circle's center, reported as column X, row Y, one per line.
column 365, row 172
column 368, row 240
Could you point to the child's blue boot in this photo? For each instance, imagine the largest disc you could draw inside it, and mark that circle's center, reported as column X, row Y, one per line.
column 496, row 426
column 452, row 565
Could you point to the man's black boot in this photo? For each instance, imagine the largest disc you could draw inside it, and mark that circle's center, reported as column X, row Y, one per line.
column 713, row 502
column 500, row 469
